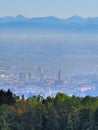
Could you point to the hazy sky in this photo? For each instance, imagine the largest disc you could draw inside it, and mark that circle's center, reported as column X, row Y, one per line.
column 58, row 8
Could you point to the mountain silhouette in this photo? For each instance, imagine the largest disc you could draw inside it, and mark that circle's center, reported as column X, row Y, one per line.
column 73, row 23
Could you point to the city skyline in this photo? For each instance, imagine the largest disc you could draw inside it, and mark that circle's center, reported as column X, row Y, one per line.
column 42, row 8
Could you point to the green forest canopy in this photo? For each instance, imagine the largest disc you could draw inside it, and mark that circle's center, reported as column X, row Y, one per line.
column 53, row 113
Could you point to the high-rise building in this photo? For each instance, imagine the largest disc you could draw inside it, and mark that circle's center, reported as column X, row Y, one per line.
column 59, row 75
column 22, row 76
column 29, row 76
column 59, row 81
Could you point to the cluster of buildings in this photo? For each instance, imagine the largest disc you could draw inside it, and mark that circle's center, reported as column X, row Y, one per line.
column 30, row 83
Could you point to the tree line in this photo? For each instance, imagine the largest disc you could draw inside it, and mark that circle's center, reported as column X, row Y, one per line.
column 61, row 112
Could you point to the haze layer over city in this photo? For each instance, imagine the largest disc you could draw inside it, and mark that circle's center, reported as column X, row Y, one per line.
column 28, row 51
column 49, row 48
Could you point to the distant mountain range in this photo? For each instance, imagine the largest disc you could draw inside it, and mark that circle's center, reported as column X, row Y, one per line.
column 74, row 23
column 50, row 19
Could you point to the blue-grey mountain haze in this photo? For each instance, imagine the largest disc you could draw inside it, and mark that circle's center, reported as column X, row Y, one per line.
column 70, row 44
column 67, row 44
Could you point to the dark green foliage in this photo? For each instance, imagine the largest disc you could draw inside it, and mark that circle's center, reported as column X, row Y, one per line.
column 51, row 118
column 69, row 124
column 59, row 113
column 4, row 124
column 96, row 118
column 6, row 97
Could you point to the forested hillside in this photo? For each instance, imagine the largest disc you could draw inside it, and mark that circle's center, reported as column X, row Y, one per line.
column 59, row 113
